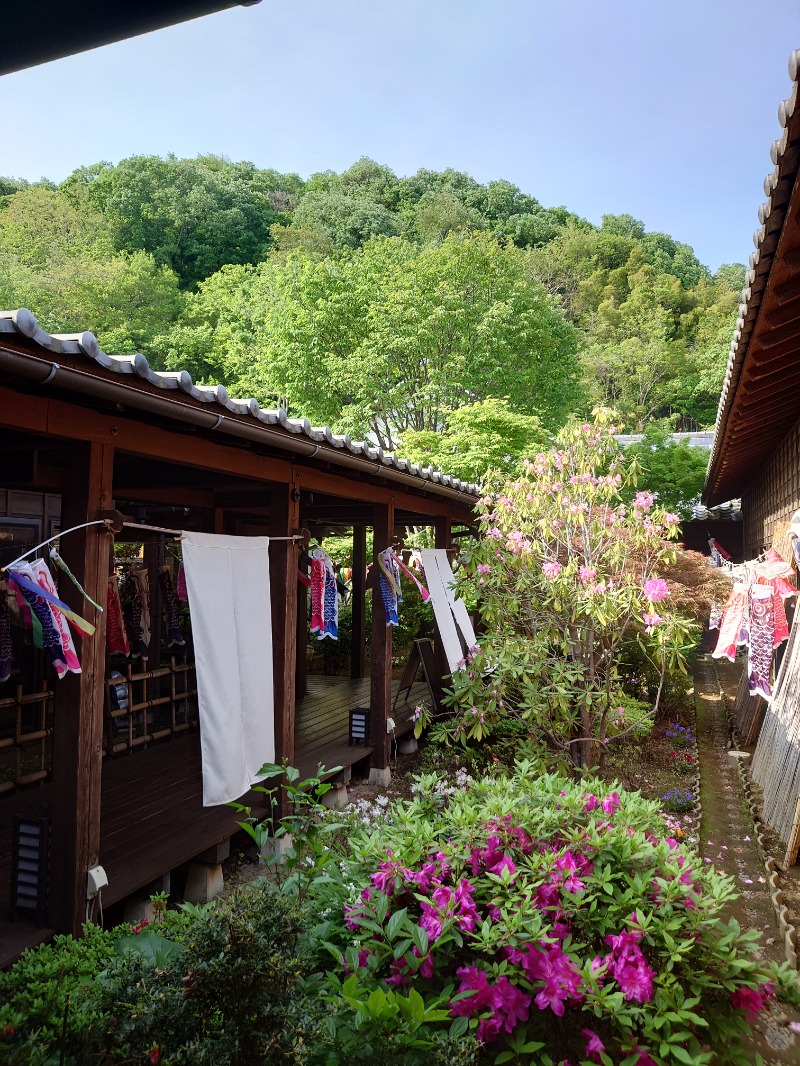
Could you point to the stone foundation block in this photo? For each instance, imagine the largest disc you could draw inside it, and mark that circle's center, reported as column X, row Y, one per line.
column 215, row 855
column 336, row 798
column 408, row 745
column 204, row 882
column 381, row 777
column 138, row 909
column 276, row 848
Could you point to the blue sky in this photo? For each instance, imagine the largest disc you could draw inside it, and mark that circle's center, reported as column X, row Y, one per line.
column 664, row 109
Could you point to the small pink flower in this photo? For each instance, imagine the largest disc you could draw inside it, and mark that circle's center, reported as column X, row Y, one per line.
column 656, row 589
column 551, row 570
column 651, row 620
column 643, row 501
column 611, row 803
column 591, row 804
column 594, row 1045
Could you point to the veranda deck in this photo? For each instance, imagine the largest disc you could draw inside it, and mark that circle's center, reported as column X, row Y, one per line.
column 152, row 821
column 152, row 814
column 322, row 720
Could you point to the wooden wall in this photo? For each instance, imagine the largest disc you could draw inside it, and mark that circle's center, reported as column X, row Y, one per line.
column 771, row 499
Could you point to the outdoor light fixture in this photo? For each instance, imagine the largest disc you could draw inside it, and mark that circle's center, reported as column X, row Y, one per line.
column 29, row 867
column 359, row 725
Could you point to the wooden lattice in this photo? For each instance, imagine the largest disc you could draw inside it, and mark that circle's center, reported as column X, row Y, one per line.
column 748, row 712
column 26, row 738
column 146, row 705
column 776, row 763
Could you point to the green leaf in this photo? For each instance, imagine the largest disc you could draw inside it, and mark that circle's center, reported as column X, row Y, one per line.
column 394, row 923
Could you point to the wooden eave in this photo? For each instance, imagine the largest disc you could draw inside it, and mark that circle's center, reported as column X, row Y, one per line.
column 761, row 395
column 315, row 458
column 37, row 31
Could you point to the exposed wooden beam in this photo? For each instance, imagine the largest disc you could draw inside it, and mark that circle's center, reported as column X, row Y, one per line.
column 381, row 672
column 787, row 334
column 284, row 521
column 790, row 290
column 78, row 712
column 134, row 437
column 358, row 647
column 790, row 312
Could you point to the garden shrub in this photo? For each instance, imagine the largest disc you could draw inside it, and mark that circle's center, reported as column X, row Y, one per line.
column 44, row 1008
column 231, row 997
column 535, row 920
column 37, row 996
column 566, row 578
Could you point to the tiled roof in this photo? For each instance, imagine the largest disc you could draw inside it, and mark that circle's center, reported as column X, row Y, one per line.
column 136, row 367
column 772, row 215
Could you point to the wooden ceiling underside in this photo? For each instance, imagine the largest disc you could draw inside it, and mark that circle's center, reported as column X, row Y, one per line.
column 766, row 404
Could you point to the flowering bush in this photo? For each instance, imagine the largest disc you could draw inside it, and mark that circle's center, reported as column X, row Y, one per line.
column 683, row 762
column 680, row 735
column 677, row 800
column 548, row 923
column 564, row 575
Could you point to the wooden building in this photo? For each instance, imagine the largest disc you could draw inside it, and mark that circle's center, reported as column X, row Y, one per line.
column 112, row 762
column 756, row 450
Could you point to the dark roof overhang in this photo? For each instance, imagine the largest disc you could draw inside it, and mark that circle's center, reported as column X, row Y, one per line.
column 37, row 31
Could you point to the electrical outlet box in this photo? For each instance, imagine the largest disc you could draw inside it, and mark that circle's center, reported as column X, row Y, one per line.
column 96, row 879
column 390, row 725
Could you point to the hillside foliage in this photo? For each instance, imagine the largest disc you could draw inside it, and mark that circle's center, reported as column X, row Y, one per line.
column 381, row 305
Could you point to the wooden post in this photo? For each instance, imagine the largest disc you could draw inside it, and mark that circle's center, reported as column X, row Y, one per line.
column 359, row 645
column 381, row 668
column 284, row 520
column 301, row 654
column 78, row 714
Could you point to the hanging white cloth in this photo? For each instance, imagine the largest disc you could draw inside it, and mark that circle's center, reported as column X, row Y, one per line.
column 452, row 618
column 227, row 580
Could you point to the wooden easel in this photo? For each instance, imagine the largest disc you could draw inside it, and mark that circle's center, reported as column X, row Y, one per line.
column 421, row 654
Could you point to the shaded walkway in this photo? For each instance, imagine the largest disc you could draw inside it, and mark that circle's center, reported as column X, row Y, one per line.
column 728, row 840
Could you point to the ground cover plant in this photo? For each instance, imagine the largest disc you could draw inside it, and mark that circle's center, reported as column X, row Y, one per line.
column 535, row 920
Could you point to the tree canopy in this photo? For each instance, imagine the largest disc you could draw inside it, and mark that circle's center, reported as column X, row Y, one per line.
column 380, row 304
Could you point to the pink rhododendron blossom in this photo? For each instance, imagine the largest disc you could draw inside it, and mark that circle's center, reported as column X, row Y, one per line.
column 611, row 803
column 591, row 804
column 643, row 501
column 587, row 574
column 651, row 620
column 656, row 589
column 551, row 570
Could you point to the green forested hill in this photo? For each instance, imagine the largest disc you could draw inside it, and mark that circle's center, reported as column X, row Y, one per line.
column 421, row 310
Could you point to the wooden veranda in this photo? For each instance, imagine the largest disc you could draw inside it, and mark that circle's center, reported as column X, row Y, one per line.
column 112, row 754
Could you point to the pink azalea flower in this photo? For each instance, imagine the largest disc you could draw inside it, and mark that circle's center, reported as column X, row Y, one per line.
column 594, row 1045
column 587, row 574
column 611, row 803
column 551, row 570
column 643, row 501
column 591, row 804
column 656, row 589
column 752, row 1000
